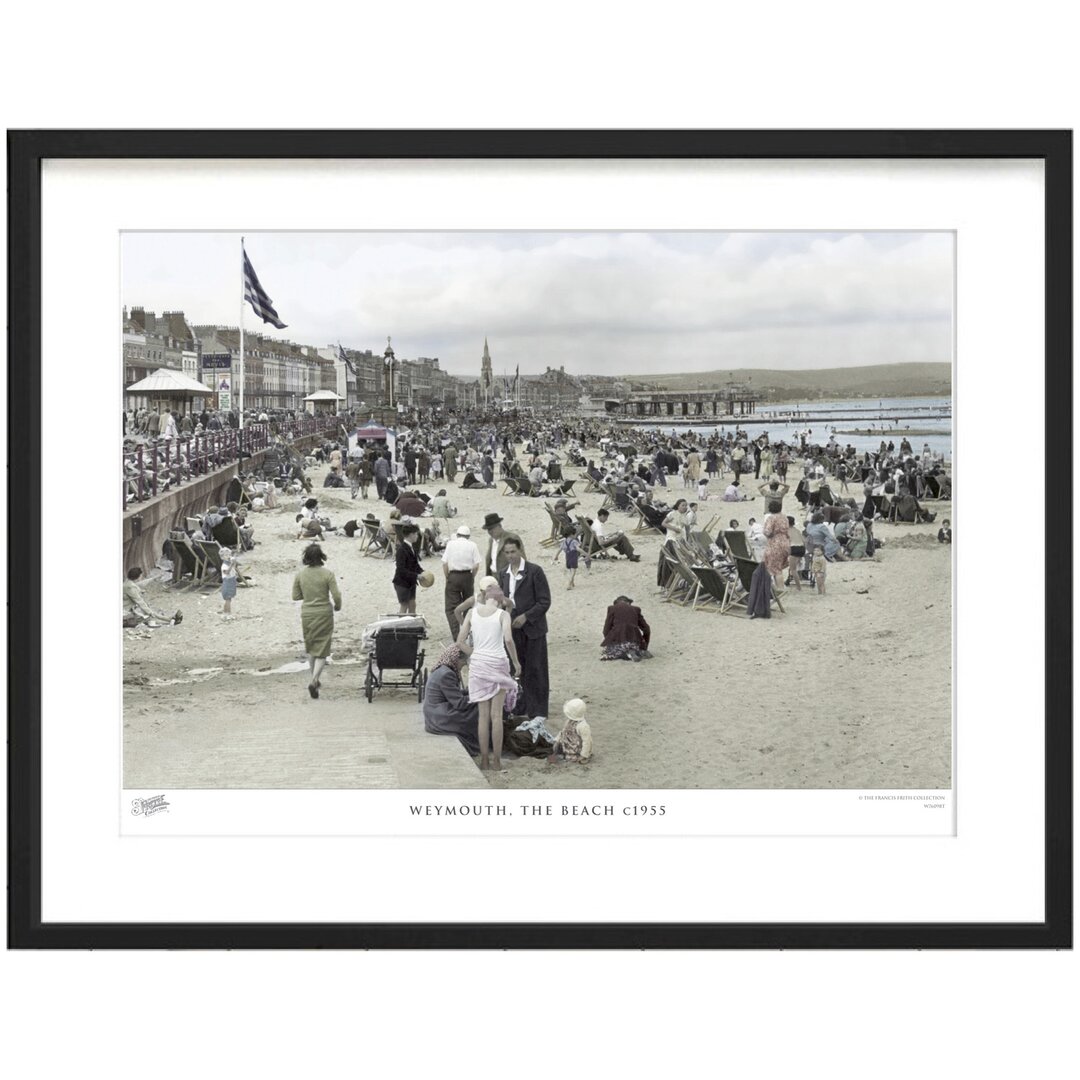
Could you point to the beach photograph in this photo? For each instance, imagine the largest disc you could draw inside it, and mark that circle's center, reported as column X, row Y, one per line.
column 537, row 510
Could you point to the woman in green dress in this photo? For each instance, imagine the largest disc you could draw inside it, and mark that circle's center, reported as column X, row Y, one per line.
column 316, row 585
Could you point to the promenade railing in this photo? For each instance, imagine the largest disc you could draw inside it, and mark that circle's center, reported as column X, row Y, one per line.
column 159, row 465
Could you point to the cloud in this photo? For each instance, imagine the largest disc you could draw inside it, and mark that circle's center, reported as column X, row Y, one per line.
column 600, row 302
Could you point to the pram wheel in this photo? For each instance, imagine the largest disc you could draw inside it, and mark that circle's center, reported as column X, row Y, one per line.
column 369, row 684
column 421, row 686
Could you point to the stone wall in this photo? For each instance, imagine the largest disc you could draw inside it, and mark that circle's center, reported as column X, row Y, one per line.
column 147, row 524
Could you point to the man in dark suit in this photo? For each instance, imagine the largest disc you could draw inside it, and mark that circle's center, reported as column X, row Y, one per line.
column 526, row 586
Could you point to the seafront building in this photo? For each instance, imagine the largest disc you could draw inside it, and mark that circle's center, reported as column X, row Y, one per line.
column 279, row 374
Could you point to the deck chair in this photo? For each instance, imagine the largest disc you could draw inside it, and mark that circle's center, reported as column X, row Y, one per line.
column 193, row 525
column 702, row 546
column 682, row 584
column 882, row 504
column 374, row 542
column 556, row 528
column 609, row 497
column 566, row 487
column 646, row 520
column 685, row 558
column 510, row 485
column 592, row 486
column 368, row 530
column 186, row 560
column 590, row 544
column 210, row 552
column 737, row 544
column 738, row 592
column 713, row 584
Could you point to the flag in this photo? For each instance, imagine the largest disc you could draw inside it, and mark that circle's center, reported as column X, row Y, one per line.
column 344, row 359
column 256, row 296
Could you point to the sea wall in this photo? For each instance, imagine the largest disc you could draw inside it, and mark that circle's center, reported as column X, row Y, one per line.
column 146, row 525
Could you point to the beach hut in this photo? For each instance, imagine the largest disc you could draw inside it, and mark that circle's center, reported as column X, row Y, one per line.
column 167, row 389
column 322, row 399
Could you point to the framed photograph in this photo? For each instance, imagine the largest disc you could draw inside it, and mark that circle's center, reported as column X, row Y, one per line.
column 540, row 539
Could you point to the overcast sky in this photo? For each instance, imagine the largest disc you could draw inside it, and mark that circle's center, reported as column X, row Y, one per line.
column 598, row 302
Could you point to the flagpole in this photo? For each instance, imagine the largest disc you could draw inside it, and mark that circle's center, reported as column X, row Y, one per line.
column 240, row 388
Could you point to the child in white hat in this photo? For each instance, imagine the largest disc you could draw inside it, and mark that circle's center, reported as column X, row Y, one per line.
column 575, row 739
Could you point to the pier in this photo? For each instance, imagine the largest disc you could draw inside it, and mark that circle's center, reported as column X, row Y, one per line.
column 730, row 402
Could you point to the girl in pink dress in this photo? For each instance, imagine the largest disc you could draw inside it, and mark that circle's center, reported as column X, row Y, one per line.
column 485, row 638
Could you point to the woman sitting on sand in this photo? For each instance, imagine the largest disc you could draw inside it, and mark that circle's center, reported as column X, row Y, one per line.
column 447, row 709
column 493, row 660
column 818, row 534
column 137, row 609
column 626, row 633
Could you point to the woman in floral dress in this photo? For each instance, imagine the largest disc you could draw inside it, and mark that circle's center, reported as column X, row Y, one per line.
column 777, row 546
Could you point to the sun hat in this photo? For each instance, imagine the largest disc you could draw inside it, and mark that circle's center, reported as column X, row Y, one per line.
column 463, row 530
column 574, row 709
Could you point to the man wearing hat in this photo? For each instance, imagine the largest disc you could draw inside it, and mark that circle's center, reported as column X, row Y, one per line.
column 495, row 561
column 460, row 560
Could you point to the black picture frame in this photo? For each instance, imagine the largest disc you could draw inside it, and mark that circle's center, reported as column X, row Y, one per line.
column 26, row 152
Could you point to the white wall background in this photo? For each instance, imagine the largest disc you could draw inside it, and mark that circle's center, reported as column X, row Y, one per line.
column 499, row 65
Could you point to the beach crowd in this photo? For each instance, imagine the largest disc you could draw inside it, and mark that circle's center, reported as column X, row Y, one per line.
column 742, row 519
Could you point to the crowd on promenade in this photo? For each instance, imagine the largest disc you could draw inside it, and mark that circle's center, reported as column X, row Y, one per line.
column 726, row 505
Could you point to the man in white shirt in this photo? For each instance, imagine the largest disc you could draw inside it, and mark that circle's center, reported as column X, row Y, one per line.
column 614, row 538
column 460, row 560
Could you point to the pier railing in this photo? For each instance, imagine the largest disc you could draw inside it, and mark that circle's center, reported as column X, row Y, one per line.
column 161, row 464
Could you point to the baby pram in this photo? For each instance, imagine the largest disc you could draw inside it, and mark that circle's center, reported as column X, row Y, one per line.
column 397, row 649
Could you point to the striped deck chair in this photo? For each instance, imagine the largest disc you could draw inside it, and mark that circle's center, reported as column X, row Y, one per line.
column 186, row 560
column 369, row 541
column 686, row 557
column 210, row 550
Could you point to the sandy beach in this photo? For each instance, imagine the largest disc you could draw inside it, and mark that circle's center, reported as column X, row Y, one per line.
column 847, row 690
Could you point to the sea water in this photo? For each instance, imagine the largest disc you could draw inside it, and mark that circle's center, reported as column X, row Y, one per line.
column 871, row 413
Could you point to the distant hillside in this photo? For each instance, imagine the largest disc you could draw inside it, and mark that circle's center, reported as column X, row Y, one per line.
column 873, row 380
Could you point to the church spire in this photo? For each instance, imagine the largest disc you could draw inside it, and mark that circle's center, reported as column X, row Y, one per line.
column 486, row 379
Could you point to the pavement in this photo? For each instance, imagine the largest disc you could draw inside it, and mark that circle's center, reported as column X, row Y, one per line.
column 270, row 734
